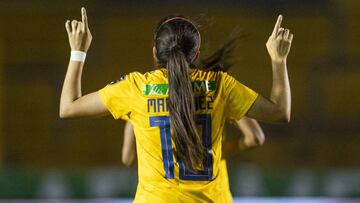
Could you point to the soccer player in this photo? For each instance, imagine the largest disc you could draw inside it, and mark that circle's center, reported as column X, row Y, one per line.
column 252, row 136
column 167, row 107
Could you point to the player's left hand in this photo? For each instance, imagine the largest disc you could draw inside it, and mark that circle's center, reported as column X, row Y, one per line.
column 279, row 42
column 79, row 33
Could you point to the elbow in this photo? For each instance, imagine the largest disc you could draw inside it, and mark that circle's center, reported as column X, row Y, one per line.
column 64, row 112
column 286, row 120
column 62, row 115
column 126, row 160
column 260, row 140
column 283, row 116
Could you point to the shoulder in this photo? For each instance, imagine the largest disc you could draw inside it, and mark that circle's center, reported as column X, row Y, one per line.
column 136, row 80
column 225, row 81
column 220, row 76
column 226, row 76
column 124, row 79
column 151, row 77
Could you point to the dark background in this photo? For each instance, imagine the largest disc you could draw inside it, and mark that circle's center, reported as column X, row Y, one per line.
column 319, row 148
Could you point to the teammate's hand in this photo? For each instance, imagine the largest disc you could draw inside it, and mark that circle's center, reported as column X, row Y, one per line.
column 79, row 33
column 279, row 42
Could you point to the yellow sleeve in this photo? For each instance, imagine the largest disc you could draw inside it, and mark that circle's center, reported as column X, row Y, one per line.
column 239, row 98
column 117, row 98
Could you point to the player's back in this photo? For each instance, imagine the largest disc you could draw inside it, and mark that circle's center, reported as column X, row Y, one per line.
column 163, row 178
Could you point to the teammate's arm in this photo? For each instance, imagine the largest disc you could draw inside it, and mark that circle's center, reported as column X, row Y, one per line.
column 72, row 103
column 278, row 107
column 129, row 146
column 252, row 134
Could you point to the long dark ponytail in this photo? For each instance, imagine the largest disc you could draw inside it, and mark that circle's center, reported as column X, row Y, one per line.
column 177, row 43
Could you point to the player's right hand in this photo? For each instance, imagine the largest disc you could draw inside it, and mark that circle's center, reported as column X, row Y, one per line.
column 79, row 33
column 279, row 42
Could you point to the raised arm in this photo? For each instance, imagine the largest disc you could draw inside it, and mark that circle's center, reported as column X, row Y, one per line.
column 129, row 146
column 278, row 107
column 72, row 103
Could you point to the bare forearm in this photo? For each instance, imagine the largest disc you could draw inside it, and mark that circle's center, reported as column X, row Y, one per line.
column 280, row 91
column 129, row 145
column 72, row 85
column 253, row 135
column 72, row 103
column 278, row 107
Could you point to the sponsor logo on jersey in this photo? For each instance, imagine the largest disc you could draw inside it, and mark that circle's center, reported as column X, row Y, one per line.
column 163, row 89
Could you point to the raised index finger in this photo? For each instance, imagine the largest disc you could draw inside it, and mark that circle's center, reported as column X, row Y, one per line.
column 84, row 18
column 277, row 26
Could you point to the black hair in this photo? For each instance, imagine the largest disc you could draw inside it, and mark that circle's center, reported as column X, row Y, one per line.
column 177, row 42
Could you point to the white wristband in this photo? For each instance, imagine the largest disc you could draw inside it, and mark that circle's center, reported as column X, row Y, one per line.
column 78, row 56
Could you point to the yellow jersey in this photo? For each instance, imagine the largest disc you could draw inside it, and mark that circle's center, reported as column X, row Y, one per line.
column 142, row 99
column 225, row 181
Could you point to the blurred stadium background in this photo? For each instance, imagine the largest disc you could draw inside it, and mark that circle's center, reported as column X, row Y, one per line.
column 316, row 155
